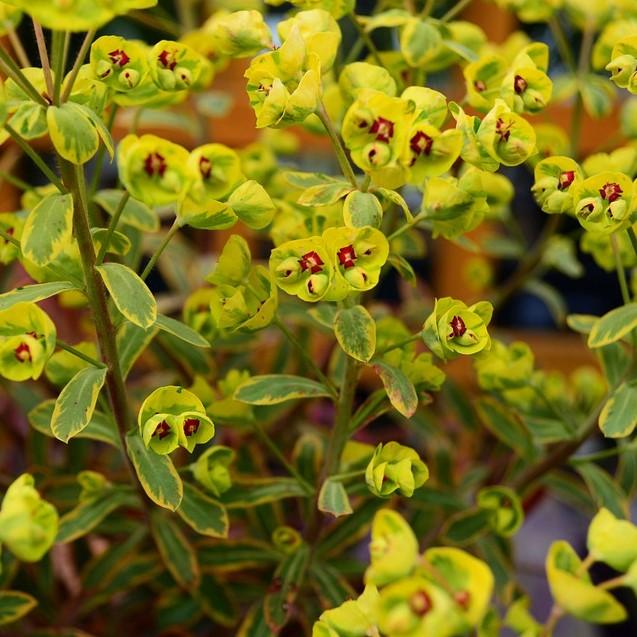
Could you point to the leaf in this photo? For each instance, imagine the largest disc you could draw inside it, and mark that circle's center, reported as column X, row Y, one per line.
column 76, row 402
column 156, row 473
column 118, row 242
column 403, row 267
column 34, row 293
column 306, row 180
column 505, row 425
column 466, row 526
column 181, row 330
column 72, row 133
column 271, row 389
column 89, row 513
column 14, row 605
column 331, row 587
column 613, row 325
column 254, row 623
column 459, row 49
column 48, row 229
column 202, row 513
column 216, row 601
column 362, row 209
column 129, row 293
column 255, row 491
column 175, row 550
column 618, row 418
column 131, row 342
column 400, row 390
column 615, row 362
column 581, row 323
column 135, row 213
column 355, row 332
column 397, row 199
column 252, row 204
column 98, row 428
column 324, row 194
column 333, row 499
column 236, row 555
column 603, row 489
column 550, row 297
column 598, row 94
column 102, row 131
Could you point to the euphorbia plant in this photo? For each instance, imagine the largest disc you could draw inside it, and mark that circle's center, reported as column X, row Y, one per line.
column 216, row 455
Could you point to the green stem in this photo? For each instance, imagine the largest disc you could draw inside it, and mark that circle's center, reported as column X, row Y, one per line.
column 398, row 344
column 77, row 65
column 554, row 616
column 15, row 181
column 35, row 158
column 271, row 445
column 44, row 57
column 562, row 43
column 602, row 455
column 11, row 69
column 369, row 43
column 58, row 54
column 306, row 357
column 16, row 43
column 633, row 238
column 621, row 272
column 155, row 22
column 455, row 10
column 112, row 226
column 162, row 246
column 76, row 352
column 407, row 226
column 348, row 475
column 373, row 406
column 97, row 299
column 9, row 238
column 343, row 162
column 616, row 582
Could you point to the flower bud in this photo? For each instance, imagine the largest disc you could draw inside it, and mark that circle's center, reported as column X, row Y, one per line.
column 395, row 467
column 212, row 469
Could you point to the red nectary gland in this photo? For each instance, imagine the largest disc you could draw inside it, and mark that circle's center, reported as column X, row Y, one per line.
column 566, row 179
column 420, row 603
column 383, row 129
column 611, row 192
column 23, row 353
column 479, row 86
column 191, row 425
column 162, row 430
column 167, row 60
column 462, row 598
column 119, row 57
column 519, row 84
column 503, row 129
column 421, row 143
column 205, row 167
column 155, row 164
column 311, row 261
column 458, row 328
column 347, row 256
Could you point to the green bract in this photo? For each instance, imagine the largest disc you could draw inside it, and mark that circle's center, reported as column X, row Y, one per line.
column 171, row 417
column 505, row 509
column 212, row 469
column 453, row 328
column 612, row 540
column 154, row 170
column 556, row 179
column 237, row 34
column 623, row 63
column 395, row 467
column 27, row 340
column 284, row 86
column 28, row 524
column 504, row 367
column 174, row 66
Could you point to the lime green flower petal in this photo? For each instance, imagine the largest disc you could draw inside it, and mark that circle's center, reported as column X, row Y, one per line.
column 612, row 540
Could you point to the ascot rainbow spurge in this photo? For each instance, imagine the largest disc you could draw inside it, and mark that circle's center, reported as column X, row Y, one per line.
column 240, row 428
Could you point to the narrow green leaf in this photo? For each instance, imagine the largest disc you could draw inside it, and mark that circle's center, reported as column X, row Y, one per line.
column 505, row 425
column 89, row 513
column 181, row 330
column 466, row 526
column 100, row 427
column 175, row 550
column 228, row 556
column 132, row 340
column 156, row 473
column 249, row 493
column 76, row 403
column 48, row 229
column 613, row 325
column 331, row 587
column 215, row 601
column 271, row 389
column 202, row 513
column 333, row 499
column 135, row 213
column 14, row 605
column 603, row 489
column 129, row 293
column 355, row 331
column 582, row 323
column 618, row 418
column 254, row 623
column 34, row 293
column 400, row 390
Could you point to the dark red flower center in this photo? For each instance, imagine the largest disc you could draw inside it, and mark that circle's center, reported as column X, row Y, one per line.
column 566, row 179
column 462, row 598
column 205, row 167
column 162, row 430
column 503, row 129
column 155, row 164
column 347, row 256
column 167, row 59
column 311, row 261
column 519, row 84
column 421, row 143
column 611, row 192
column 479, row 86
column 119, row 57
column 420, row 603
column 23, row 353
column 458, row 328
column 191, row 425
column 382, row 128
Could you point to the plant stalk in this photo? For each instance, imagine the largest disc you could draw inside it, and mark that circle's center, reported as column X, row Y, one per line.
column 343, row 162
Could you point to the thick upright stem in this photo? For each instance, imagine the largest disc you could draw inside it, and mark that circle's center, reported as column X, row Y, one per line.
column 96, row 294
